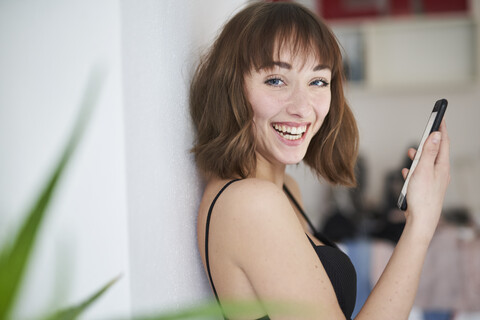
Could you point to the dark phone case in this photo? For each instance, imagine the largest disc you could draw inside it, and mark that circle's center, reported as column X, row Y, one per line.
column 440, row 107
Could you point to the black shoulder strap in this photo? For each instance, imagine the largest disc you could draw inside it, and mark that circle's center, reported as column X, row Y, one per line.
column 317, row 234
column 290, row 195
column 209, row 215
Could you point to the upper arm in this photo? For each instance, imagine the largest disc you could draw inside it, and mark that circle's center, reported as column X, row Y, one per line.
column 272, row 249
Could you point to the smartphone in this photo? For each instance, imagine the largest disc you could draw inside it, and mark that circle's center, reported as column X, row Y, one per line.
column 432, row 125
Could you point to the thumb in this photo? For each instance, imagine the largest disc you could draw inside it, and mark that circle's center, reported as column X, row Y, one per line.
column 431, row 148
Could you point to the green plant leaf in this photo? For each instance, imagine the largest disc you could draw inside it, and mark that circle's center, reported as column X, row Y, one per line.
column 73, row 312
column 235, row 309
column 14, row 255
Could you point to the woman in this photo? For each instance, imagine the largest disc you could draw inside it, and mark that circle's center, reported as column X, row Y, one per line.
column 270, row 93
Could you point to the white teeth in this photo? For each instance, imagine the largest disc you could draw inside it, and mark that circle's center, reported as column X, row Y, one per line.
column 290, row 133
column 291, row 130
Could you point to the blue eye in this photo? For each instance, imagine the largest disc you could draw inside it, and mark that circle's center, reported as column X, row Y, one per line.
column 319, row 83
column 275, row 82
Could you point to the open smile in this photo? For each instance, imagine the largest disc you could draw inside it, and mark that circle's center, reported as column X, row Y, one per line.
column 289, row 131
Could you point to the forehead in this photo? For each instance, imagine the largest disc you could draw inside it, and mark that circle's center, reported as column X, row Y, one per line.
column 267, row 31
column 296, row 58
column 300, row 51
column 289, row 56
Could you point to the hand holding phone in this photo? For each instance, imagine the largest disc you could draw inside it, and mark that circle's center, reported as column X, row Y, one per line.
column 432, row 125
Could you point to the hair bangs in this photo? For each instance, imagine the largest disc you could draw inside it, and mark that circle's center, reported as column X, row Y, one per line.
column 294, row 29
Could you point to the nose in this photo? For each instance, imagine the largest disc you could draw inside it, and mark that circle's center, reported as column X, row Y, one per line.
column 298, row 103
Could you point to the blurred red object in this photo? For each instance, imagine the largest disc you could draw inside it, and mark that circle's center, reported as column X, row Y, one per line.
column 342, row 9
column 436, row 6
column 361, row 9
column 400, row 7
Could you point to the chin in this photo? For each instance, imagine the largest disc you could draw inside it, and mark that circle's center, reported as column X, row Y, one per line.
column 293, row 160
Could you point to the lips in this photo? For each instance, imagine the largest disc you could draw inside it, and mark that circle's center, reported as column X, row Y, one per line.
column 290, row 132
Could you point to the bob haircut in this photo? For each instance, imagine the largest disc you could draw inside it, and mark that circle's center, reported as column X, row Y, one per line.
column 222, row 116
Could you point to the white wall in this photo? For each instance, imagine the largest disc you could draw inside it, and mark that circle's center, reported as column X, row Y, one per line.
column 161, row 43
column 47, row 50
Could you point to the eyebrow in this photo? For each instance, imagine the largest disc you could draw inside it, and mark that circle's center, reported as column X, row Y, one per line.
column 288, row 66
column 283, row 65
column 321, row 67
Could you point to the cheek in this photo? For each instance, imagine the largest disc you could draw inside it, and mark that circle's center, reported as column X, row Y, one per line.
column 323, row 106
column 263, row 107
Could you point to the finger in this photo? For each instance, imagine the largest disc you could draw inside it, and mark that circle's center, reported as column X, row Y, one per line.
column 430, row 149
column 444, row 153
column 405, row 173
column 411, row 153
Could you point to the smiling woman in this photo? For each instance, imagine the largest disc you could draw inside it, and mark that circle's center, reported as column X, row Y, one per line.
column 290, row 100
column 257, row 40
column 269, row 93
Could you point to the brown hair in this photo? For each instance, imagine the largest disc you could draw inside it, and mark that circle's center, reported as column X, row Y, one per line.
column 222, row 116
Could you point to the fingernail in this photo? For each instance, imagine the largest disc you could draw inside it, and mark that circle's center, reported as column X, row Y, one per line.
column 436, row 137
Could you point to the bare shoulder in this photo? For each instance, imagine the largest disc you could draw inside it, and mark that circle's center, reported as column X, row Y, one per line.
column 247, row 202
column 255, row 202
column 252, row 212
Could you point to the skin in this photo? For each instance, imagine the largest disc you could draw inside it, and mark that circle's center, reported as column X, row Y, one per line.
column 258, row 247
column 294, row 93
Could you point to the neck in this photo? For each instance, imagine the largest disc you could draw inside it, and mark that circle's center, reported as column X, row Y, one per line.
column 267, row 170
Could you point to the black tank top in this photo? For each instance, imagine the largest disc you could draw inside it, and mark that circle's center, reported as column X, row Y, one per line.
column 336, row 263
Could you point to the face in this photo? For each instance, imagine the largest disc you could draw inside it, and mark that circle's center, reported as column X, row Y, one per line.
column 290, row 100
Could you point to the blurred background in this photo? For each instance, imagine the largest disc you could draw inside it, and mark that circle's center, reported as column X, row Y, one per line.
column 128, row 202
